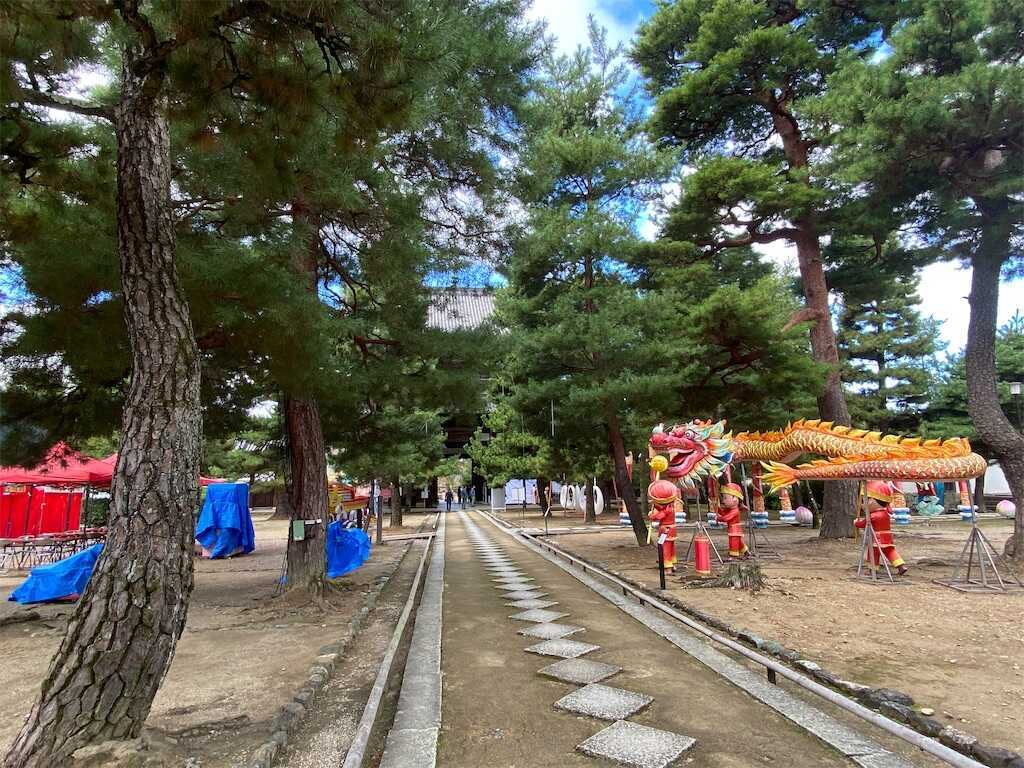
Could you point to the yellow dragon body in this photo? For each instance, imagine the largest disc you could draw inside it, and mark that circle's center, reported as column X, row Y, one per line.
column 702, row 447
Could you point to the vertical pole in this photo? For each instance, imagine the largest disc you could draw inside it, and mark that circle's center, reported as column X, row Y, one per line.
column 661, row 563
column 379, row 506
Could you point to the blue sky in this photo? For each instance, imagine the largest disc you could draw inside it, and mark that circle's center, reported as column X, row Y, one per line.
column 944, row 287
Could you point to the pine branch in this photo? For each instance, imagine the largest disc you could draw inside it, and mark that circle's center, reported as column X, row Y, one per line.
column 65, row 104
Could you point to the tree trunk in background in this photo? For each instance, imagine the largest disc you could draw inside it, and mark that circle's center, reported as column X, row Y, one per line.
column 307, row 478
column 121, row 636
column 617, row 448
column 396, row 502
column 306, row 486
column 992, row 425
column 589, row 513
column 841, row 495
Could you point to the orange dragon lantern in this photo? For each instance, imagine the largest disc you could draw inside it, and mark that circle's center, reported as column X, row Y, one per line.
column 702, row 448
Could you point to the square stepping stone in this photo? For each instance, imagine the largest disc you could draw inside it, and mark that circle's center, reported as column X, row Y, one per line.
column 562, row 648
column 515, row 586
column 532, row 604
column 603, row 701
column 636, row 745
column 550, row 630
column 507, row 579
column 538, row 615
column 526, row 594
column 579, row 671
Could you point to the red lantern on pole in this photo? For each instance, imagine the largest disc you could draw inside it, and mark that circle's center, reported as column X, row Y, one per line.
column 702, row 555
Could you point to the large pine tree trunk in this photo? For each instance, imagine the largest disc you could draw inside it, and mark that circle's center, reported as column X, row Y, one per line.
column 617, row 448
column 840, row 496
column 307, row 493
column 991, row 423
column 121, row 636
column 307, row 477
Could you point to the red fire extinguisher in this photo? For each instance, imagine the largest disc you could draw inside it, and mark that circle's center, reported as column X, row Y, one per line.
column 702, row 554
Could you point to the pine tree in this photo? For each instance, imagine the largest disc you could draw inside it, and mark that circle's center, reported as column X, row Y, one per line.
column 888, row 350
column 932, row 131
column 730, row 80
column 192, row 62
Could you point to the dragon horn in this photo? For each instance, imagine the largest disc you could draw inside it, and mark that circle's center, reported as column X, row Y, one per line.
column 778, row 475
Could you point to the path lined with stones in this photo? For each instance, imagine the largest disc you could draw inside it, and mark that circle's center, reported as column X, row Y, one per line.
column 540, row 671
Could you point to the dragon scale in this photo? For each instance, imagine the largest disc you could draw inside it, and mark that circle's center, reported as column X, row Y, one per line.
column 700, row 448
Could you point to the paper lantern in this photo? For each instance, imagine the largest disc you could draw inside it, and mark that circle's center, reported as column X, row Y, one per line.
column 804, row 516
column 1006, row 508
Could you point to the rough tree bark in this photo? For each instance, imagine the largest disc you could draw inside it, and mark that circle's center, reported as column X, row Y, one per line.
column 396, row 502
column 589, row 512
column 307, row 478
column 121, row 636
column 992, row 425
column 840, row 496
column 306, row 487
column 617, row 448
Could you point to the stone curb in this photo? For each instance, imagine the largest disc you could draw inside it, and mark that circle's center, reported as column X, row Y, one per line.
column 321, row 670
column 891, row 703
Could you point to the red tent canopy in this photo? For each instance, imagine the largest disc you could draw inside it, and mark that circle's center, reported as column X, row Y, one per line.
column 64, row 466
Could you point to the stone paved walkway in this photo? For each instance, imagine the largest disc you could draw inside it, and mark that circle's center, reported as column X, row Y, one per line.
column 538, row 670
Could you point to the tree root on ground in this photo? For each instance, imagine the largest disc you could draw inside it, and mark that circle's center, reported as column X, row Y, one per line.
column 737, row 575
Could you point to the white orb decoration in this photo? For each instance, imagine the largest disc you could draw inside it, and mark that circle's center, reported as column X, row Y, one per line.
column 1006, row 508
column 804, row 516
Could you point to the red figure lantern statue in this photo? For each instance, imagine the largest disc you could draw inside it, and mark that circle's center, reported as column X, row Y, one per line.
column 879, row 494
column 663, row 495
column 729, row 513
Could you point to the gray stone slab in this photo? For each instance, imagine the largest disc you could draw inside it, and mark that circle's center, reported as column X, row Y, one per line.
column 603, row 702
column 565, row 649
column 579, row 671
column 515, row 586
column 526, row 594
column 550, row 630
column 532, row 603
column 881, row 760
column 507, row 579
column 410, row 748
column 538, row 615
column 808, row 717
column 636, row 745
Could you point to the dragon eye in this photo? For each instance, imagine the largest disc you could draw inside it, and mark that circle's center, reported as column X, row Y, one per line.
column 690, row 434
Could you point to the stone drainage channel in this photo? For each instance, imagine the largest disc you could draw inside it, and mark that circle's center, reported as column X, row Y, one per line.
column 859, row 749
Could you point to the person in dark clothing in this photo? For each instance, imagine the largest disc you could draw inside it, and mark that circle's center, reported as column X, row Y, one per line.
column 448, row 500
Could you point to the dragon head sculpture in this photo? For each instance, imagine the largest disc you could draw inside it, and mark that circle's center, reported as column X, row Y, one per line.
column 693, row 450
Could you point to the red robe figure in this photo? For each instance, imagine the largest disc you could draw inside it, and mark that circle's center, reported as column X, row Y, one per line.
column 879, row 494
column 663, row 495
column 729, row 513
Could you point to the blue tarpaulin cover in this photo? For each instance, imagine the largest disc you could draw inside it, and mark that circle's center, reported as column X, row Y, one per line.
column 57, row 581
column 225, row 525
column 347, row 549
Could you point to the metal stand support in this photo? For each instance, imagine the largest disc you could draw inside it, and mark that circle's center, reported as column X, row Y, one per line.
column 869, row 546
column 979, row 553
column 758, row 539
column 701, row 527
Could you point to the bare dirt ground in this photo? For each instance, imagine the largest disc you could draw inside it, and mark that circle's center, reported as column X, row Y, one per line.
column 960, row 654
column 243, row 654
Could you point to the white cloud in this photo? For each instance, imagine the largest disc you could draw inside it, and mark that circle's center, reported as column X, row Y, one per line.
column 567, row 21
column 943, row 291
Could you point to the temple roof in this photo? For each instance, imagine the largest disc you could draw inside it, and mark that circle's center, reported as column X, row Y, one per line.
column 460, row 309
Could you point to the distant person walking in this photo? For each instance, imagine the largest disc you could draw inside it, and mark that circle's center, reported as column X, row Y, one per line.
column 448, row 500
column 460, row 495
